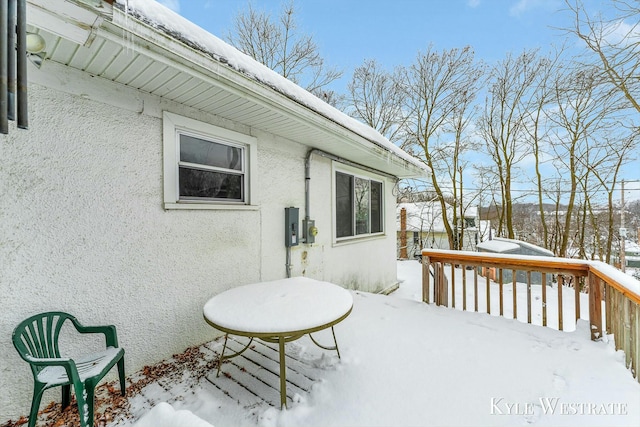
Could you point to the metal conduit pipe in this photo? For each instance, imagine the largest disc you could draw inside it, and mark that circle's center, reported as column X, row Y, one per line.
column 4, row 50
column 11, row 61
column 21, row 27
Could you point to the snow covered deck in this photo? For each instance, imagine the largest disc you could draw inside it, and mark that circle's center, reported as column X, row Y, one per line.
column 403, row 363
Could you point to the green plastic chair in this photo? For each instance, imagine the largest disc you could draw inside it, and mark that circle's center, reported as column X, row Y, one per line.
column 36, row 339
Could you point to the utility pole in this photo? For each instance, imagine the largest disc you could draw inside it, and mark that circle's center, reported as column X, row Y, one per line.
column 623, row 232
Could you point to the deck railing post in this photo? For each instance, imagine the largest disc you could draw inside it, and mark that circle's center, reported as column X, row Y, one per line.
column 425, row 279
column 595, row 306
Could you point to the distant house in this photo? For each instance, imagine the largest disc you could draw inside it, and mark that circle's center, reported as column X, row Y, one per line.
column 632, row 254
column 500, row 245
column 155, row 173
column 424, row 228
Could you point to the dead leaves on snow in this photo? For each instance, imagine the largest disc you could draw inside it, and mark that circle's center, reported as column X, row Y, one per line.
column 110, row 404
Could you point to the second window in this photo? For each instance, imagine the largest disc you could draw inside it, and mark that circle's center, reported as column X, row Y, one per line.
column 358, row 205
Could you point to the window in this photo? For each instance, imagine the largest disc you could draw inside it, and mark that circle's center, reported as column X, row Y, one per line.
column 206, row 166
column 210, row 170
column 358, row 209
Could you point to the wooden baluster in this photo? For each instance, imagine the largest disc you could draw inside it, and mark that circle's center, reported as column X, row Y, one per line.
column 611, row 307
column 515, row 300
column 544, row 299
column 560, row 286
column 464, row 287
column 626, row 328
column 488, row 292
column 453, row 285
column 576, row 290
column 618, row 334
column 444, row 290
column 436, row 283
column 635, row 339
column 475, row 288
column 528, row 296
column 609, row 304
column 501, row 288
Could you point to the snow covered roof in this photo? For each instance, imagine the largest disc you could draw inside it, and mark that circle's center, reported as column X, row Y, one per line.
column 631, row 247
column 498, row 246
column 143, row 44
column 504, row 245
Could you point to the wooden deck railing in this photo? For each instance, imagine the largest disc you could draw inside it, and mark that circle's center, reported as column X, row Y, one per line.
column 613, row 297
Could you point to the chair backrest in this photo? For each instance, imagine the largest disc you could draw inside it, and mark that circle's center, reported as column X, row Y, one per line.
column 38, row 335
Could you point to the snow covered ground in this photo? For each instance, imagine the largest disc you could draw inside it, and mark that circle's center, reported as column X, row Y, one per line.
column 408, row 363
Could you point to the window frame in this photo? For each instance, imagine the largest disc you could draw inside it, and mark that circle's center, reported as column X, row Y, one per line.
column 357, row 174
column 175, row 125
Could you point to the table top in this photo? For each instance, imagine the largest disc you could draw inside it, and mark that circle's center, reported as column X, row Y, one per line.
column 291, row 306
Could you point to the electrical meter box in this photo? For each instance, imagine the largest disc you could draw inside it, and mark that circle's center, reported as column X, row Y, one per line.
column 291, row 227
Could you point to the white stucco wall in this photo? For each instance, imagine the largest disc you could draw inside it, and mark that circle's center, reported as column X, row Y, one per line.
column 83, row 229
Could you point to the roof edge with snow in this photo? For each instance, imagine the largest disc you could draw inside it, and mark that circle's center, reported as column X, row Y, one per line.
column 178, row 28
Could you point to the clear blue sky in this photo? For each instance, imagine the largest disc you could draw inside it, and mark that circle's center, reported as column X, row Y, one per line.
column 394, row 31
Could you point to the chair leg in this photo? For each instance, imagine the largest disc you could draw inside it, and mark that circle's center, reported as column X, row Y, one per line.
column 91, row 390
column 121, row 375
column 66, row 395
column 35, row 404
column 83, row 404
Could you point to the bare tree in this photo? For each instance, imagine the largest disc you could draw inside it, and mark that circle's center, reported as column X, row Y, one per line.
column 440, row 85
column 278, row 45
column 585, row 117
column 462, row 116
column 536, row 134
column 615, row 43
column 376, row 98
column 502, row 122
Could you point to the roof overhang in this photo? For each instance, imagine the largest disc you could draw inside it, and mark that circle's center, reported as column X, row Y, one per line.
column 106, row 42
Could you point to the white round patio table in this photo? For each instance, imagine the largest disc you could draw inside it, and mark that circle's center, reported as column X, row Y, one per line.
column 279, row 311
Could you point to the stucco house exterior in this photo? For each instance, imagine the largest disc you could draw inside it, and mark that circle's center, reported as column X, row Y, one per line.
column 155, row 173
